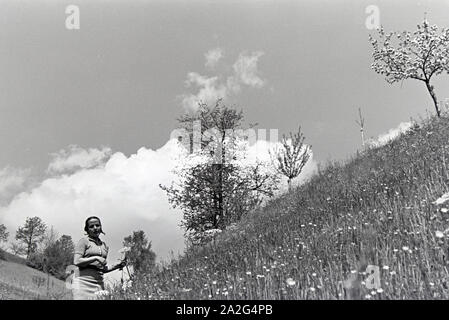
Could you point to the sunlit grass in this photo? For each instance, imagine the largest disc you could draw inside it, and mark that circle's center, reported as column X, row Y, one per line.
column 18, row 281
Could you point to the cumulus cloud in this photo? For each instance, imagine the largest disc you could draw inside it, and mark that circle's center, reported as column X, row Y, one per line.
column 392, row 134
column 124, row 192
column 210, row 88
column 12, row 181
column 212, row 57
column 74, row 158
column 246, row 71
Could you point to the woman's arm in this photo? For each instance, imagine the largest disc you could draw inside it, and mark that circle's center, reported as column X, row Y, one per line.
column 117, row 266
column 79, row 261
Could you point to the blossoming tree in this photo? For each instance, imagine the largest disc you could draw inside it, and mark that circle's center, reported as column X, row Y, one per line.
column 419, row 55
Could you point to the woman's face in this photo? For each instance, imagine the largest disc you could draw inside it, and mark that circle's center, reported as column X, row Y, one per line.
column 94, row 228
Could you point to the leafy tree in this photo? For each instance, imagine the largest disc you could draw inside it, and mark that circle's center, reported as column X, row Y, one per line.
column 419, row 56
column 31, row 233
column 59, row 255
column 140, row 255
column 4, row 234
column 292, row 156
column 215, row 187
column 55, row 257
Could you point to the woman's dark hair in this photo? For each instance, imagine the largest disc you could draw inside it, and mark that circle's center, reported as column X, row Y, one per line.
column 86, row 224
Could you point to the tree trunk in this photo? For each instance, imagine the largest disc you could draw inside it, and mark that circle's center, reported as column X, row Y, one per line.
column 289, row 184
column 434, row 97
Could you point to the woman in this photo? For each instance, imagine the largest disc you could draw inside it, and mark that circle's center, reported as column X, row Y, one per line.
column 90, row 258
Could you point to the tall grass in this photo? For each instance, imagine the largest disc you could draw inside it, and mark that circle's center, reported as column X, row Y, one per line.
column 316, row 241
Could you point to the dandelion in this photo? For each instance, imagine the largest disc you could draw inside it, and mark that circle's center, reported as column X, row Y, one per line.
column 439, row 234
column 214, row 282
column 314, row 274
column 405, row 248
column 385, row 267
column 290, row 282
column 248, row 273
column 380, row 290
column 395, row 250
column 373, row 293
column 186, row 289
column 431, row 284
column 392, row 273
column 102, row 293
column 444, row 210
column 312, row 289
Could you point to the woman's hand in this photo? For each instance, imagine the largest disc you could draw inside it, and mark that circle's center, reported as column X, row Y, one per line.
column 122, row 264
column 101, row 260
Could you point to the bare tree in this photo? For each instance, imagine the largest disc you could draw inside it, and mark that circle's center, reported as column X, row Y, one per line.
column 17, row 248
column 292, row 156
column 361, row 123
column 419, row 55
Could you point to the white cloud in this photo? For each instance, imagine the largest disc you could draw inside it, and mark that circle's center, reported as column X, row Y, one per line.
column 124, row 193
column 75, row 157
column 392, row 134
column 212, row 57
column 209, row 89
column 12, row 181
column 246, row 71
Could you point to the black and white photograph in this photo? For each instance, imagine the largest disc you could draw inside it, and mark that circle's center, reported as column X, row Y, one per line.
column 244, row 151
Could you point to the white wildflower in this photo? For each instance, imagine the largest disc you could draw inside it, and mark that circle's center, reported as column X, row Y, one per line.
column 442, row 199
column 290, row 282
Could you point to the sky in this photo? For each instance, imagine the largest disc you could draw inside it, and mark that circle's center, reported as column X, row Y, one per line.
column 86, row 114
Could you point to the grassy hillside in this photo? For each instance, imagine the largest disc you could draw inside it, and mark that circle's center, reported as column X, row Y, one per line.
column 19, row 282
column 4, row 255
column 316, row 242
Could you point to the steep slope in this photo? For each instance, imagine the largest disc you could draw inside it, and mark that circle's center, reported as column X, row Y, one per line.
column 18, row 282
column 316, row 242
